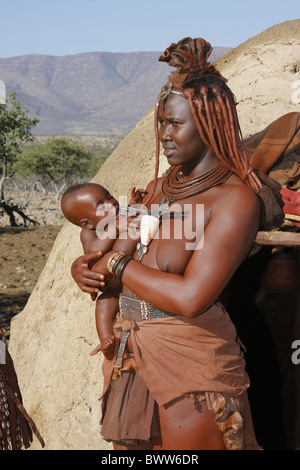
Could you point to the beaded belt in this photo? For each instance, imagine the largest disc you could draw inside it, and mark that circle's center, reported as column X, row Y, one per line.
column 138, row 310
column 135, row 310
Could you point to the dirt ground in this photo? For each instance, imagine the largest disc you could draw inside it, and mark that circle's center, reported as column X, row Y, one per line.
column 23, row 254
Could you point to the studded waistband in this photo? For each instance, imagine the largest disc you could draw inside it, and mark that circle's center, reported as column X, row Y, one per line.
column 138, row 310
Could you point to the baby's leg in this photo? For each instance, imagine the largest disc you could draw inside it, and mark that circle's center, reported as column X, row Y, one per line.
column 106, row 309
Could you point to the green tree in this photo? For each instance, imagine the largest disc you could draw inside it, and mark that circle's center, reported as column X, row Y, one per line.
column 15, row 128
column 59, row 161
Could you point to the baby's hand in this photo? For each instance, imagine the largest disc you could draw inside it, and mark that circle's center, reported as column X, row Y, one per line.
column 129, row 225
column 137, row 196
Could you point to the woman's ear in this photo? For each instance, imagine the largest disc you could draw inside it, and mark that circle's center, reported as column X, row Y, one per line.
column 86, row 224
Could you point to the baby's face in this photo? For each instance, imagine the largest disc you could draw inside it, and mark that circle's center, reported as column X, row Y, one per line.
column 90, row 205
column 103, row 206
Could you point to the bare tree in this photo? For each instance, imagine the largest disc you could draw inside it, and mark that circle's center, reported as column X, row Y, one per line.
column 15, row 127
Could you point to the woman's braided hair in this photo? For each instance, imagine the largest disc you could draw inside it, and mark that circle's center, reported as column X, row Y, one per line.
column 213, row 107
column 211, row 102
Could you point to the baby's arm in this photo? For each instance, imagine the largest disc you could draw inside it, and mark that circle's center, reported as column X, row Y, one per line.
column 107, row 304
column 91, row 242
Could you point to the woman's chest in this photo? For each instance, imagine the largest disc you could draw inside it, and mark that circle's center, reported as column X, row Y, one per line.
column 180, row 233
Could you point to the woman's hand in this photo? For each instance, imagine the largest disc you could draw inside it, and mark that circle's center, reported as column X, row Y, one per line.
column 88, row 281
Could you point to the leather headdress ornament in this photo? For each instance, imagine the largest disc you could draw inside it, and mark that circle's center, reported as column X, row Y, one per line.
column 188, row 56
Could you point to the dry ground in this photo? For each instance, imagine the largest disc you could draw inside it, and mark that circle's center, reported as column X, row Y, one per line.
column 23, row 254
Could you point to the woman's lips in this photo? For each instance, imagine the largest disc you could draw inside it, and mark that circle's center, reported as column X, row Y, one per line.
column 168, row 151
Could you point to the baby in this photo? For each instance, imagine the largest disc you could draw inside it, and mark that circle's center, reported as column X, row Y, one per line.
column 95, row 210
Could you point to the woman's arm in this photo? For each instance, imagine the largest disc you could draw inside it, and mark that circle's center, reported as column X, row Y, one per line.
column 227, row 239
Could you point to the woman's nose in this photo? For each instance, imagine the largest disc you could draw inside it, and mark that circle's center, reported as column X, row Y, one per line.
column 165, row 133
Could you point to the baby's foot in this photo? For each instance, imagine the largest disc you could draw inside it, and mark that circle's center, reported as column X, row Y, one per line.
column 95, row 350
column 108, row 347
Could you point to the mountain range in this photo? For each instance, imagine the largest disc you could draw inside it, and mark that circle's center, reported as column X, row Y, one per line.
column 89, row 93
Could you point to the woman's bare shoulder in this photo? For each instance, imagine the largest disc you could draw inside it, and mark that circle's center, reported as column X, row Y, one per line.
column 155, row 183
column 240, row 194
column 240, row 202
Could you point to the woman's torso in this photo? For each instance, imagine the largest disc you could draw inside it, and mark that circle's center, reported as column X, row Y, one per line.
column 182, row 228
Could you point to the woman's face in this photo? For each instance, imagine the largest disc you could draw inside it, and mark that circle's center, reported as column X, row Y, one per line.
column 178, row 132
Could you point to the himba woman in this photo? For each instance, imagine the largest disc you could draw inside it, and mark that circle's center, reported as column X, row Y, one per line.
column 179, row 379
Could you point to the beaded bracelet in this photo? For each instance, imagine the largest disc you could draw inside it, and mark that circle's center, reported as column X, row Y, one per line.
column 121, row 266
column 117, row 262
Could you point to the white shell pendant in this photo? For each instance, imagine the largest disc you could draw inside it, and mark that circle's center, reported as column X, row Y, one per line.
column 149, row 227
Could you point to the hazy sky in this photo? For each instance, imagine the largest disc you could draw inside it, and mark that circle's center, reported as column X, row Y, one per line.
column 63, row 27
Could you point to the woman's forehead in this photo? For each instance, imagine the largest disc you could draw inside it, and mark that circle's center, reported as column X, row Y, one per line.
column 174, row 104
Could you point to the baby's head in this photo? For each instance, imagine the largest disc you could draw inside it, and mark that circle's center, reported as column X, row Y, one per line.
column 86, row 204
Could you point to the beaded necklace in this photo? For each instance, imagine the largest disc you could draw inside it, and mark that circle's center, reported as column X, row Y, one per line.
column 176, row 186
